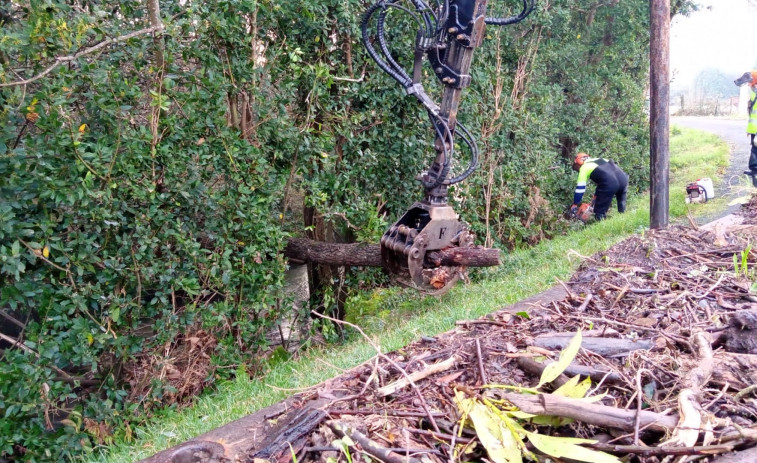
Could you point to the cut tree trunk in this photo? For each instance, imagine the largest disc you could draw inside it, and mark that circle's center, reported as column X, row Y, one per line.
column 369, row 255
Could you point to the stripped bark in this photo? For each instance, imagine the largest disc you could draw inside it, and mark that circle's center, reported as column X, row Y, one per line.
column 370, row 447
column 598, row 415
column 537, row 368
column 606, row 347
column 417, row 376
column 690, row 411
column 292, row 438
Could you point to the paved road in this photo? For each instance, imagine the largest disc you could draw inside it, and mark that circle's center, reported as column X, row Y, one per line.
column 734, row 185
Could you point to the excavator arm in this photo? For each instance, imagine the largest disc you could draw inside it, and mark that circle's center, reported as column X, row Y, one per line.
column 448, row 33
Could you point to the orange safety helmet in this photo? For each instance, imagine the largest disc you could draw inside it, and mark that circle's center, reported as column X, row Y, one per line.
column 579, row 161
column 747, row 78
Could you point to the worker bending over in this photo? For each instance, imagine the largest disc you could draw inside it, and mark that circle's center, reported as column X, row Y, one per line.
column 751, row 127
column 609, row 178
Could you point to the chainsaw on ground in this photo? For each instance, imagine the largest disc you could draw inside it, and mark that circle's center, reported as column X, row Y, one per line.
column 699, row 191
column 448, row 32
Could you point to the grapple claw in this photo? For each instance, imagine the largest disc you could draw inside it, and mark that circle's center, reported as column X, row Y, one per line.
column 425, row 227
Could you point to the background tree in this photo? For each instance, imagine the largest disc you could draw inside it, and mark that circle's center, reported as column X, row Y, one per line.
column 712, row 88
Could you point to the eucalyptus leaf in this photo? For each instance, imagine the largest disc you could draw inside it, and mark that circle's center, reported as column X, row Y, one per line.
column 569, row 447
column 500, row 442
column 553, row 370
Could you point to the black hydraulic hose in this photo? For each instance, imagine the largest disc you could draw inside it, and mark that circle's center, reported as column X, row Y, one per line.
column 423, row 8
column 447, row 135
column 388, row 64
column 471, row 142
column 439, row 179
column 372, row 51
column 408, row 11
column 443, row 12
column 528, row 7
column 381, row 33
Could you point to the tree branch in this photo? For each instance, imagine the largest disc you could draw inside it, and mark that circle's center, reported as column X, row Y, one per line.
column 66, row 59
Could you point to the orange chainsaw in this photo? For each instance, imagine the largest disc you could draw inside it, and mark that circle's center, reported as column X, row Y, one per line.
column 583, row 212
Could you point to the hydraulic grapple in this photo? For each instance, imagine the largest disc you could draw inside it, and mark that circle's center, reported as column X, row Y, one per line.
column 448, row 33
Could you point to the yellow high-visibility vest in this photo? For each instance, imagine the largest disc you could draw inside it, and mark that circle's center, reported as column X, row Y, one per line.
column 751, row 126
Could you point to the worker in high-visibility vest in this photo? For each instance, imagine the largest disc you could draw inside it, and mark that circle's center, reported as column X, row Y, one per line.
column 751, row 127
column 610, row 179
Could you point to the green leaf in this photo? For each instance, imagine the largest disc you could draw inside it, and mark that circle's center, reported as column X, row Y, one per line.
column 559, row 447
column 553, row 370
column 554, row 421
column 573, row 388
column 521, row 415
column 500, row 442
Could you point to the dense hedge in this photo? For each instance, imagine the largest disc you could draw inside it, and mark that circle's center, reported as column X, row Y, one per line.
column 149, row 185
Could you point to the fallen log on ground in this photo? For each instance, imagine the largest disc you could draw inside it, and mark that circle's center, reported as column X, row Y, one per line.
column 606, row 347
column 537, row 368
column 369, row 255
column 599, row 415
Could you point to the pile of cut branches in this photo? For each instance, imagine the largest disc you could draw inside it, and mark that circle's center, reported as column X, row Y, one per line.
column 650, row 356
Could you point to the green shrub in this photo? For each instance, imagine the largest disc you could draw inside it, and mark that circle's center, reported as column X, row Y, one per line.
column 149, row 185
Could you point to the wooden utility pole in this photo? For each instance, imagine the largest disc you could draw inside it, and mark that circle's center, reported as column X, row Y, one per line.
column 659, row 120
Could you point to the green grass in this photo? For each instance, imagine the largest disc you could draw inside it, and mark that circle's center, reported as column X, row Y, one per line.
column 400, row 316
column 694, row 155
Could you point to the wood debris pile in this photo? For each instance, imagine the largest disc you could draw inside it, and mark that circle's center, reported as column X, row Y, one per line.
column 668, row 340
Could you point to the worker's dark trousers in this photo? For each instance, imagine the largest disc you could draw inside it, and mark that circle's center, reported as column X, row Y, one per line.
column 611, row 181
column 753, row 156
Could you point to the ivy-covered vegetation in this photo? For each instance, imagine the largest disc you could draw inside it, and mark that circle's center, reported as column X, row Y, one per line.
column 154, row 158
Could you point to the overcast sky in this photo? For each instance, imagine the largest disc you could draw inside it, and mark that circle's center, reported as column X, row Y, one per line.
column 723, row 37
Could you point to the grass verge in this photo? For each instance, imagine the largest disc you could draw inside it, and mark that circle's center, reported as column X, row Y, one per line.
column 404, row 315
column 693, row 155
